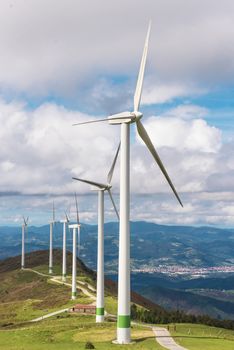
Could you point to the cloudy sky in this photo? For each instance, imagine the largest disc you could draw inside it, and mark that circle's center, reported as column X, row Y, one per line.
column 69, row 61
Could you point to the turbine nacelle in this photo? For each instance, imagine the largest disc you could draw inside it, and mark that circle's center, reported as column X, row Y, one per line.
column 138, row 115
column 104, row 188
column 25, row 221
column 74, row 226
column 125, row 117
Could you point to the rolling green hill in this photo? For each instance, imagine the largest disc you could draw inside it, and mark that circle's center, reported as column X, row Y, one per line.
column 40, row 294
column 25, row 295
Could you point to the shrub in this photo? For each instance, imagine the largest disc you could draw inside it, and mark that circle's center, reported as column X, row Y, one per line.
column 7, row 324
column 89, row 345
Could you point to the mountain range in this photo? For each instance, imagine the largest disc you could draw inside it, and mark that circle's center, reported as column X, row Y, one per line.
column 151, row 244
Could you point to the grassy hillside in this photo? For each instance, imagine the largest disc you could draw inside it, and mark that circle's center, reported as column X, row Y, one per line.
column 25, row 295
column 41, row 258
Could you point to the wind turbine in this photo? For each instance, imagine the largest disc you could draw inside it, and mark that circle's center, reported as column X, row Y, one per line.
column 51, row 241
column 101, row 188
column 64, row 267
column 74, row 227
column 24, row 228
column 125, row 119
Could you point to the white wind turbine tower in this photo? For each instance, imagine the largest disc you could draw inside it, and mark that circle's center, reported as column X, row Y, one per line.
column 24, row 230
column 125, row 119
column 74, row 227
column 101, row 188
column 64, row 266
column 51, row 241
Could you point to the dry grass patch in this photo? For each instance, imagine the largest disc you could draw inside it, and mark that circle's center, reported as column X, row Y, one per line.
column 142, row 333
column 97, row 335
column 108, row 334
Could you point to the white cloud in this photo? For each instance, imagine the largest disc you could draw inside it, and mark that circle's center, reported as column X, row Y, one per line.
column 167, row 92
column 41, row 152
column 61, row 47
column 161, row 210
column 188, row 111
column 77, row 50
column 194, row 135
column 7, row 166
column 191, row 150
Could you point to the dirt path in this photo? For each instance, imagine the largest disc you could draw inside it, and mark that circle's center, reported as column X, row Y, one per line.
column 164, row 338
column 89, row 285
column 37, row 272
column 57, row 279
column 84, row 290
column 49, row 315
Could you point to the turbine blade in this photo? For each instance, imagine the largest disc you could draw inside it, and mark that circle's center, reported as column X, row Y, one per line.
column 27, row 220
column 91, row 121
column 96, row 184
column 112, row 200
column 68, row 212
column 110, row 174
column 77, row 212
column 138, row 91
column 24, row 221
column 145, row 137
column 66, row 216
column 114, row 117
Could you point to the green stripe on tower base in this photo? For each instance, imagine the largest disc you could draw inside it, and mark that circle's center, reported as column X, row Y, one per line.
column 123, row 321
column 99, row 311
column 74, row 294
column 64, row 275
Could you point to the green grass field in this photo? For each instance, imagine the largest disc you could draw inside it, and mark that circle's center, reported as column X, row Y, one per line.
column 68, row 331
column 72, row 332
column 196, row 337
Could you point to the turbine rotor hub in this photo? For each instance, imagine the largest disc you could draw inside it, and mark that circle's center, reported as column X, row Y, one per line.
column 138, row 115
